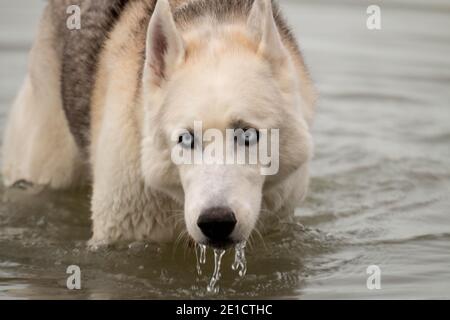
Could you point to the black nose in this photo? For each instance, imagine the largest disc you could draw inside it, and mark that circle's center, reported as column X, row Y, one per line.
column 217, row 223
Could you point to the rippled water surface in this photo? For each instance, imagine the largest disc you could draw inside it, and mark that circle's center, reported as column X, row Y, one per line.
column 380, row 192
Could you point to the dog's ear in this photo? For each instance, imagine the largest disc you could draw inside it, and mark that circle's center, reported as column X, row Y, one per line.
column 164, row 45
column 261, row 23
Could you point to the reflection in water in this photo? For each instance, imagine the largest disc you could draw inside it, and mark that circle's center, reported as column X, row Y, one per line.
column 379, row 193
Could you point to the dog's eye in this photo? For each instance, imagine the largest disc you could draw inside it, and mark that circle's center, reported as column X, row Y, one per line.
column 248, row 137
column 186, row 140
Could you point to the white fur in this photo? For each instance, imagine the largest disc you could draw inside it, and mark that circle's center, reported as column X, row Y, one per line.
column 216, row 89
column 211, row 73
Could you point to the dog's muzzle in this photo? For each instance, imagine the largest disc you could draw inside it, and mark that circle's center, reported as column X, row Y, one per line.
column 217, row 224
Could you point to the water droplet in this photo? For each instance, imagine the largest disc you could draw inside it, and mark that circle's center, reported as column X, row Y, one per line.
column 240, row 263
column 200, row 253
column 218, row 254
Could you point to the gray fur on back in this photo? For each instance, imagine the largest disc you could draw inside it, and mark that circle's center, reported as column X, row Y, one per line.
column 80, row 53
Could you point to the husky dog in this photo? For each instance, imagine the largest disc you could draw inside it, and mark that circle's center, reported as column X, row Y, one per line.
column 99, row 105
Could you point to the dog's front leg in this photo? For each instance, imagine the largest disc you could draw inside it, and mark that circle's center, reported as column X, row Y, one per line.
column 123, row 209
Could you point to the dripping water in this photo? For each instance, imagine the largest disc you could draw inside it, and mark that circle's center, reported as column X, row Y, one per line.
column 240, row 263
column 218, row 254
column 200, row 256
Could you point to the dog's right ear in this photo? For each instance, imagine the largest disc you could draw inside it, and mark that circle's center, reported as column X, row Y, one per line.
column 164, row 45
column 261, row 23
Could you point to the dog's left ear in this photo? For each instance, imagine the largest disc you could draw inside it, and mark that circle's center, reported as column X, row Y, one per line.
column 164, row 45
column 261, row 23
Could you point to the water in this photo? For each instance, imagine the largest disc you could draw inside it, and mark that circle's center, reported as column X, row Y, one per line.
column 212, row 286
column 200, row 256
column 240, row 263
column 379, row 191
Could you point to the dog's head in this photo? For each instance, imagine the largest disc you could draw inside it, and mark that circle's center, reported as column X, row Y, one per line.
column 238, row 77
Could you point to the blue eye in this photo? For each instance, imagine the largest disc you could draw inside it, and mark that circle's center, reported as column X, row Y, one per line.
column 248, row 137
column 186, row 140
